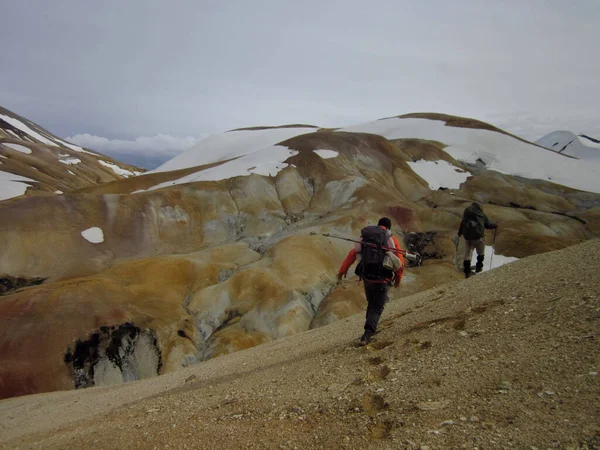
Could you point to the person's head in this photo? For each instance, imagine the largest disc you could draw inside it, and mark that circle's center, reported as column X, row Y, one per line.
column 475, row 205
column 385, row 222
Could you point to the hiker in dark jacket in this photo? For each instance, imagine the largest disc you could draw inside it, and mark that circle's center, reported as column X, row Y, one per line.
column 472, row 228
column 376, row 288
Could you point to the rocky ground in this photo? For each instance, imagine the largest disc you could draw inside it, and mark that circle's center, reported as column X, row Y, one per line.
column 506, row 359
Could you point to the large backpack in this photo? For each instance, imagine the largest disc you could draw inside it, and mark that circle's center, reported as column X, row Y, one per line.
column 473, row 228
column 371, row 267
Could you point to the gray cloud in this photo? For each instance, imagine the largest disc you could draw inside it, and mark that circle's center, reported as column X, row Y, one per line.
column 186, row 68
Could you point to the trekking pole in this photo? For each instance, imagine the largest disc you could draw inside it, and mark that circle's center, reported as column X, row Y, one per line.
column 493, row 247
column 409, row 255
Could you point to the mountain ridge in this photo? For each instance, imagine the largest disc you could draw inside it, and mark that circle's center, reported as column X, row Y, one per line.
column 34, row 161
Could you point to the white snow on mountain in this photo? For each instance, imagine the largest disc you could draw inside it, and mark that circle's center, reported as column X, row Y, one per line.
column 11, row 185
column 232, row 144
column 73, row 147
column 68, row 160
column 497, row 151
column 326, row 154
column 268, row 162
column 47, row 140
column 440, row 174
column 19, row 148
column 24, row 128
column 567, row 143
column 118, row 170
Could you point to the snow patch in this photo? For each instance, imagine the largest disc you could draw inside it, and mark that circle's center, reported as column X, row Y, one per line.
column 11, row 185
column 19, row 148
column 439, row 174
column 496, row 259
column 70, row 172
column 267, row 162
column 69, row 161
column 24, row 128
column 73, row 147
column 116, row 169
column 326, row 154
column 58, row 192
column 93, row 235
column 233, row 144
column 500, row 152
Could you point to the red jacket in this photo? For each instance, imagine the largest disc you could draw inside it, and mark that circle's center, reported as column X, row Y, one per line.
column 351, row 258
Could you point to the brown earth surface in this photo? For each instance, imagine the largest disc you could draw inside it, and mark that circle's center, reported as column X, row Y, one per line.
column 506, row 359
column 154, row 269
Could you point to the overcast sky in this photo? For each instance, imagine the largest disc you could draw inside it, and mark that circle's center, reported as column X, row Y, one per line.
column 151, row 77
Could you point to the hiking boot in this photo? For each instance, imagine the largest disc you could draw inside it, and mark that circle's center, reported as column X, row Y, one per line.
column 467, row 268
column 366, row 338
column 479, row 265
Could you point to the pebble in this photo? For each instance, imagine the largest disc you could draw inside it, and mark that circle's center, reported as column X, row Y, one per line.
column 593, row 374
column 504, row 385
column 447, row 423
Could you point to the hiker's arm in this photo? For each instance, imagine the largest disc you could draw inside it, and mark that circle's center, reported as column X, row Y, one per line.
column 460, row 228
column 489, row 225
column 350, row 258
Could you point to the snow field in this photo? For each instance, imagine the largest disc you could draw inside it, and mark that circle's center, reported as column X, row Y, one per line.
column 498, row 151
column 232, row 144
column 268, row 162
column 440, row 174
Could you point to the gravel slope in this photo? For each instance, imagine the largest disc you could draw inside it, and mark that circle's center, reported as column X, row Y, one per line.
column 506, row 359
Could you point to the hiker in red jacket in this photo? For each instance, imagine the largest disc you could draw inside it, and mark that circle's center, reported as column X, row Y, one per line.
column 370, row 269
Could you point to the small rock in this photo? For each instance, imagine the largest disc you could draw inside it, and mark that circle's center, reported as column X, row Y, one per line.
column 447, row 423
column 593, row 374
column 432, row 406
column 549, row 392
column 434, row 432
column 463, row 419
column 474, row 419
column 153, row 410
column 190, row 378
column 464, row 333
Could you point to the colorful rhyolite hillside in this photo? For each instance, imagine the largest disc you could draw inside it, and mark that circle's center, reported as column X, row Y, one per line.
column 221, row 248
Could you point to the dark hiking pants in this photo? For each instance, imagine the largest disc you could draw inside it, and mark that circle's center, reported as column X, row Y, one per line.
column 376, row 297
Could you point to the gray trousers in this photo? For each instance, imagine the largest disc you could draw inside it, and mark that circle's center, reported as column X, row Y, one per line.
column 476, row 244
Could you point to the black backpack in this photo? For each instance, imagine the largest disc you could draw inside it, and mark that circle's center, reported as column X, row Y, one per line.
column 473, row 229
column 371, row 267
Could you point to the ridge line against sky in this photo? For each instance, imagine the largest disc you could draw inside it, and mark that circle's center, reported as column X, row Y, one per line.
column 152, row 76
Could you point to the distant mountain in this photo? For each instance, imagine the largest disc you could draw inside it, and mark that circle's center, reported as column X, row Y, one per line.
column 578, row 146
column 34, row 161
